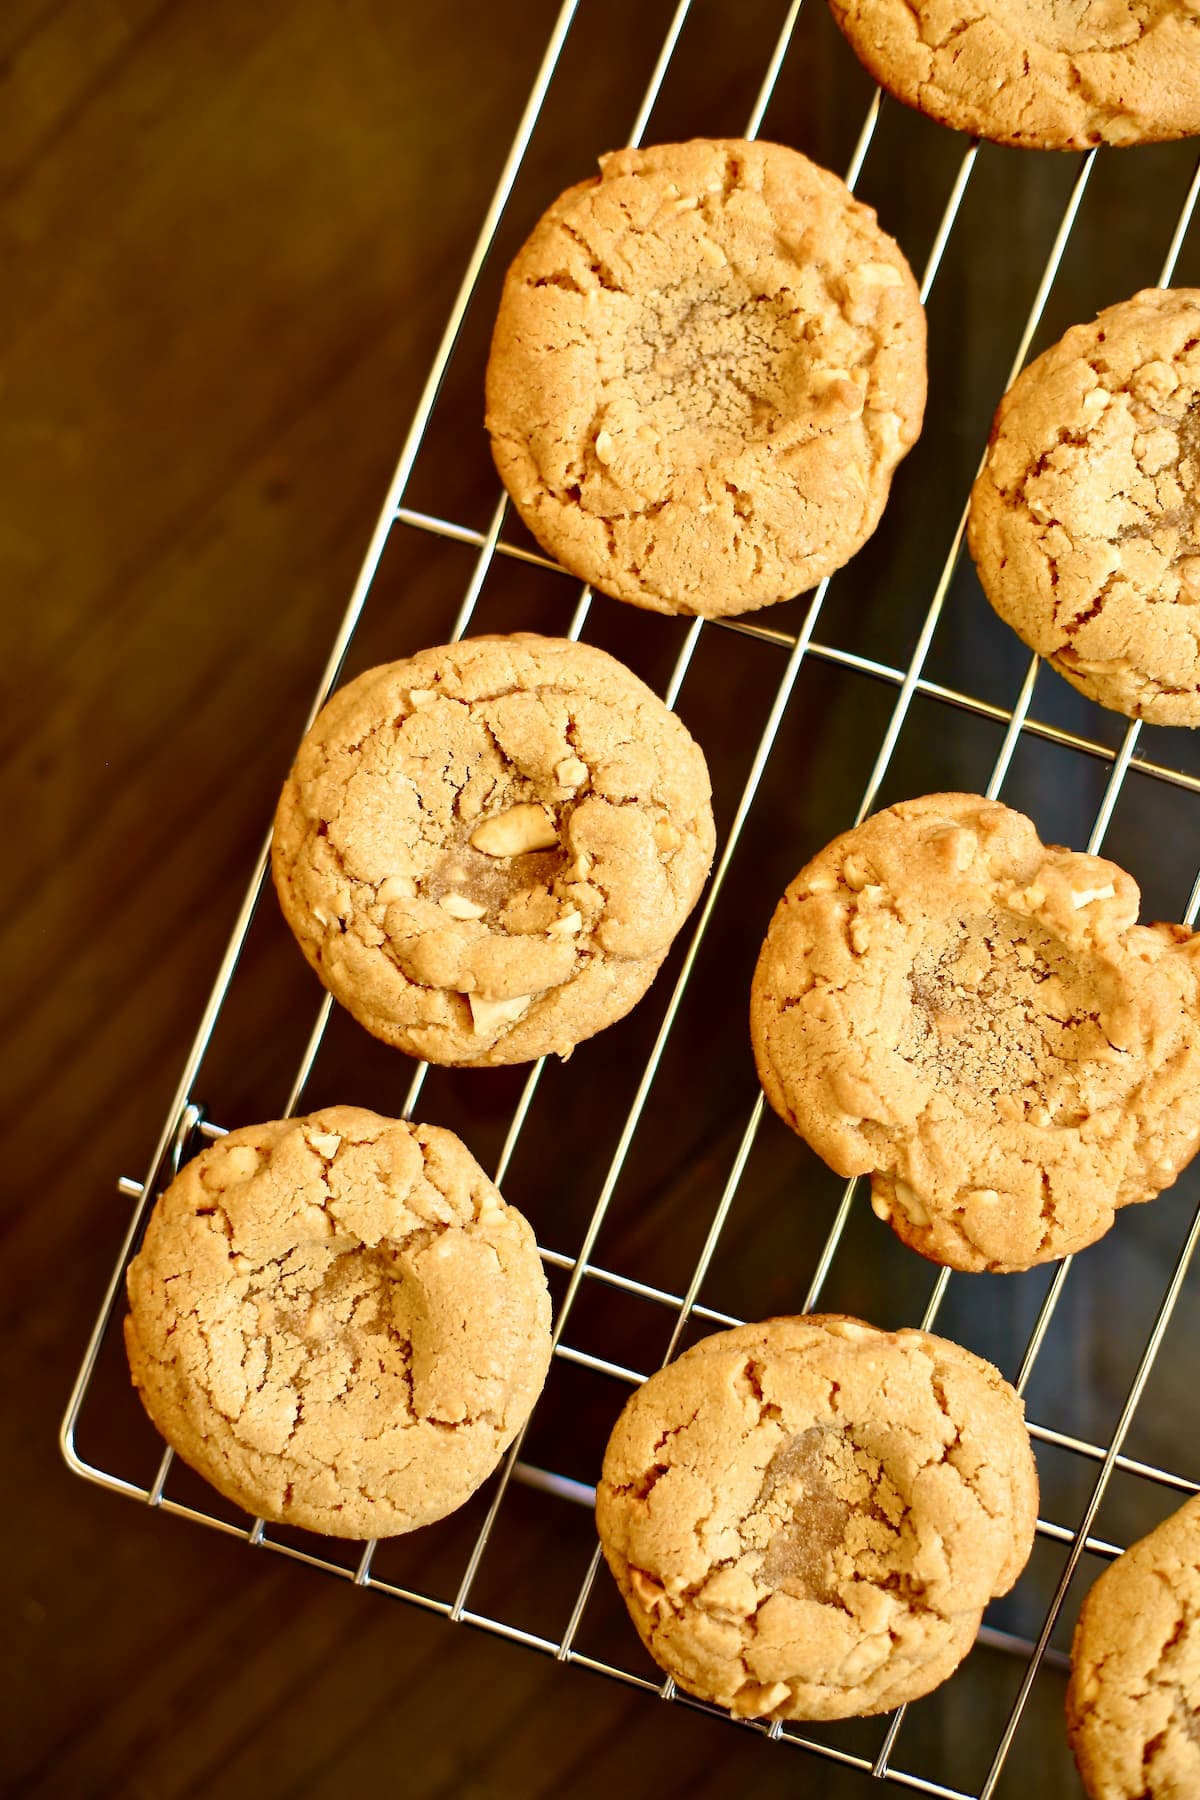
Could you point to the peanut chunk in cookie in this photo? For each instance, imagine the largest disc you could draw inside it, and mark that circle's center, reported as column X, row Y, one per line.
column 516, row 832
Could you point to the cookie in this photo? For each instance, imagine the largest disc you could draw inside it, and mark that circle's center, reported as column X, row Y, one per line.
column 1037, row 73
column 338, row 1321
column 708, row 361
column 976, row 1021
column 1134, row 1695
column 485, row 850
column 1083, row 520
column 807, row 1517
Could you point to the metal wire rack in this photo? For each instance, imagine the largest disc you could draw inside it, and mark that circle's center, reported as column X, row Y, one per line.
column 902, row 688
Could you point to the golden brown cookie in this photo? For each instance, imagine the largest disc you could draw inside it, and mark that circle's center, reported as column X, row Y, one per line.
column 1133, row 1704
column 485, row 850
column 1044, row 74
column 338, row 1321
column 807, row 1517
column 707, row 363
column 976, row 1021
column 1084, row 518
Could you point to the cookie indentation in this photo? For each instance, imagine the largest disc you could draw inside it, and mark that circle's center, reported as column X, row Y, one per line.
column 807, row 1517
column 1001, row 1007
column 494, row 883
column 712, row 371
column 976, row 1021
column 831, row 1515
column 706, row 366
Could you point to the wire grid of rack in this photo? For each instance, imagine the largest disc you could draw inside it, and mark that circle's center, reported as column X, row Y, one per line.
column 784, row 652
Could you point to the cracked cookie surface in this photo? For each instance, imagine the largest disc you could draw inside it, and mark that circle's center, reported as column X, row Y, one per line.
column 1044, row 74
column 706, row 365
column 1085, row 519
column 485, row 850
column 976, row 1021
column 1133, row 1703
column 338, row 1321
column 807, row 1517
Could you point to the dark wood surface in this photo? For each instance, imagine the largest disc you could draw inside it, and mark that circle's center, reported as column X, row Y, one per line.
column 229, row 237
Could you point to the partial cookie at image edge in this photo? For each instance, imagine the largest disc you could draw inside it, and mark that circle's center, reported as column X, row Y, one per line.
column 1134, row 1690
column 997, row 80
column 1083, row 519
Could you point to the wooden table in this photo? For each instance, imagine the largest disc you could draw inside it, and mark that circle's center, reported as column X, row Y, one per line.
column 229, row 237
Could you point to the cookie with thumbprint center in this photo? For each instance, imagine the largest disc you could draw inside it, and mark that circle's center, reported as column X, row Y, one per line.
column 977, row 1021
column 338, row 1321
column 807, row 1517
column 1133, row 1702
column 1039, row 74
column 707, row 363
column 1085, row 519
column 486, row 850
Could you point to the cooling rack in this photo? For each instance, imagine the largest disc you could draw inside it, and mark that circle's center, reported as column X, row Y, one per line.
column 852, row 675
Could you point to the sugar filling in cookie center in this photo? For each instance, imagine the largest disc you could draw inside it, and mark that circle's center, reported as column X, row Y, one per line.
column 1000, row 1009
column 326, row 1316
column 502, row 866
column 1162, row 492
column 492, row 883
column 706, row 370
column 827, row 1514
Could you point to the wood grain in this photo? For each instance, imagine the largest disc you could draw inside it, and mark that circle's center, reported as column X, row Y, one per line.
column 229, row 237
